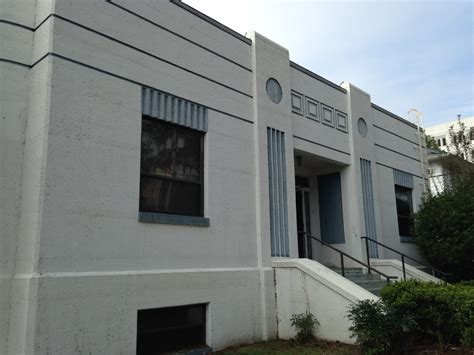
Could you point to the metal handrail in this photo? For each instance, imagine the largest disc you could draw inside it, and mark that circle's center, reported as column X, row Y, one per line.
column 343, row 254
column 403, row 256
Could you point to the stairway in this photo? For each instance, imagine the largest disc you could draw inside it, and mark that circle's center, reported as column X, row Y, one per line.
column 371, row 282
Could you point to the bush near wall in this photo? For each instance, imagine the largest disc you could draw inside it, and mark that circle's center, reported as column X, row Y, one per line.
column 412, row 314
column 444, row 224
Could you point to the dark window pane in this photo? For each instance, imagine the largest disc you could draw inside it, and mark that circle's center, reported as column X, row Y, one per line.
column 405, row 225
column 171, row 168
column 171, row 329
column 170, row 196
column 157, row 148
column 171, row 151
column 404, row 210
column 188, row 153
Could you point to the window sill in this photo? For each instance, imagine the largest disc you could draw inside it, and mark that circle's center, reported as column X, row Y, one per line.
column 405, row 239
column 164, row 218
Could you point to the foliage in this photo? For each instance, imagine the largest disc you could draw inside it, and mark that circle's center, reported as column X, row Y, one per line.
column 429, row 309
column 460, row 141
column 444, row 228
column 304, row 324
column 467, row 337
column 377, row 328
column 431, row 142
column 458, row 169
column 421, row 314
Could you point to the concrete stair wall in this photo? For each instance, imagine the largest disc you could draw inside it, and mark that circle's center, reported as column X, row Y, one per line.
column 304, row 285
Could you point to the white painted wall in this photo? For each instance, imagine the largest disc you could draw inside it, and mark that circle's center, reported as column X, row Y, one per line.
column 390, row 232
column 74, row 260
column 304, row 285
column 394, row 267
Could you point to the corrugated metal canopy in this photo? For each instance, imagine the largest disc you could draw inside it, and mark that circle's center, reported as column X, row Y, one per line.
column 402, row 178
column 173, row 109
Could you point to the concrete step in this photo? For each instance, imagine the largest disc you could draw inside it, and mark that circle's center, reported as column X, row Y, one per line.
column 349, row 271
column 375, row 291
column 363, row 277
column 371, row 284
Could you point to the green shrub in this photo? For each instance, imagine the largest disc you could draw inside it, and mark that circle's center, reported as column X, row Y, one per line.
column 377, row 328
column 304, row 324
column 415, row 313
column 467, row 338
column 444, row 228
column 442, row 314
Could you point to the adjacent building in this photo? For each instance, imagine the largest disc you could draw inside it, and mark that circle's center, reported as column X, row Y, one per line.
column 155, row 165
column 439, row 175
column 440, row 134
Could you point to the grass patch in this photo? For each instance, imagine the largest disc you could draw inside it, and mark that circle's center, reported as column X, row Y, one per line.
column 281, row 347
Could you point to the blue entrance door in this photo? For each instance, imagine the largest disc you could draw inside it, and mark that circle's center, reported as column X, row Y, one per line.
column 330, row 208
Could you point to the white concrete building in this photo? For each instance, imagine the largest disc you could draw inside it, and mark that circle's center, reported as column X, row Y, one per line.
column 439, row 176
column 440, row 133
column 153, row 158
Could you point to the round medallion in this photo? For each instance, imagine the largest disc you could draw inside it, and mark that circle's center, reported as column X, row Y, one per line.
column 274, row 90
column 362, row 127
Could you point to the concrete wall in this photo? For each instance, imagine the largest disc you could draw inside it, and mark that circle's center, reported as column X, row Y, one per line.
column 394, row 267
column 80, row 182
column 17, row 19
column 304, row 285
column 75, row 262
column 391, row 143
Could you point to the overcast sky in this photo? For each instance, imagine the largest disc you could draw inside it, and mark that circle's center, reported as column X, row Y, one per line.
column 406, row 54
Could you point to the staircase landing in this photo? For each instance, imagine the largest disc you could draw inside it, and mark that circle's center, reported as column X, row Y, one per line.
column 371, row 282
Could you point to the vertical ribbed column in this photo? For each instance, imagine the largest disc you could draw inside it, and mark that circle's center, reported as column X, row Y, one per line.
column 277, row 182
column 368, row 202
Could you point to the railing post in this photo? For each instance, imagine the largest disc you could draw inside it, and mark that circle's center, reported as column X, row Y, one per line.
column 342, row 265
column 403, row 267
column 367, row 252
column 305, row 241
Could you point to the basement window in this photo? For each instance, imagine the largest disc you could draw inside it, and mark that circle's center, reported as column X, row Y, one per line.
column 171, row 329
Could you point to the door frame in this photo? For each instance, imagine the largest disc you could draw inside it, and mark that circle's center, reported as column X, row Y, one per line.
column 304, row 206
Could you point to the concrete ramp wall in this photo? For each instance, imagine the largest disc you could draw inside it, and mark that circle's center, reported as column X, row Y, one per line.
column 394, row 267
column 306, row 285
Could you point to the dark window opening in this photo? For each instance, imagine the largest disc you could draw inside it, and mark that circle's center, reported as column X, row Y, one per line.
column 404, row 210
column 171, row 329
column 171, row 179
column 444, row 142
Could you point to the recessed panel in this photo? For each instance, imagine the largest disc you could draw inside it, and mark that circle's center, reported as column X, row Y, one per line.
column 297, row 103
column 341, row 121
column 312, row 109
column 327, row 116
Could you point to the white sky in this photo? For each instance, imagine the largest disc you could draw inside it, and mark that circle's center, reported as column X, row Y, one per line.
column 406, row 54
